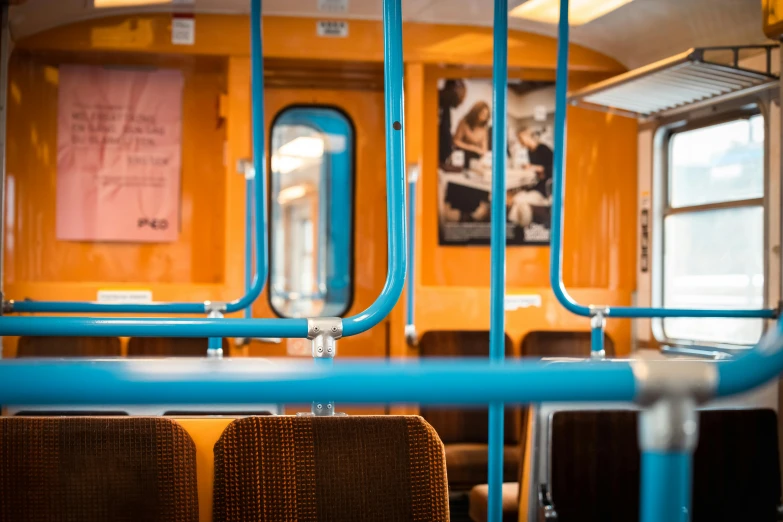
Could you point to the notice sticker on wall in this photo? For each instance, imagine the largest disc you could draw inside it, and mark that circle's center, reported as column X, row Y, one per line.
column 333, row 6
column 183, row 29
column 515, row 302
column 124, row 296
column 332, row 28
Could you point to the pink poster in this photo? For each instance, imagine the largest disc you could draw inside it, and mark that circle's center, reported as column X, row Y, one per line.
column 118, row 154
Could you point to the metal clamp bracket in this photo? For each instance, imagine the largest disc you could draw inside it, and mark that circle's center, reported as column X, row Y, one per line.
column 323, row 333
column 669, row 393
column 596, row 312
column 8, row 306
column 215, row 306
column 410, row 335
column 245, row 166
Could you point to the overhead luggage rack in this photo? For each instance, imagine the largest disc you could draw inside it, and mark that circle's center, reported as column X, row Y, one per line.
column 695, row 76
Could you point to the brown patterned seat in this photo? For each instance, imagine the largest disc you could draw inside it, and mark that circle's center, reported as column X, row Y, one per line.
column 170, row 347
column 96, row 469
column 68, row 347
column 346, row 469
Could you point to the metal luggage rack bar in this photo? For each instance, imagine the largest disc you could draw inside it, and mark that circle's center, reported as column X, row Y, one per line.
column 680, row 81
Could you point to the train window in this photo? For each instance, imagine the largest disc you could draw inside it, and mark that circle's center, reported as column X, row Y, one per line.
column 713, row 229
column 311, row 212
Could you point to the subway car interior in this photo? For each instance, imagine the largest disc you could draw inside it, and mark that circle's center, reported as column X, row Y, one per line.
column 257, row 264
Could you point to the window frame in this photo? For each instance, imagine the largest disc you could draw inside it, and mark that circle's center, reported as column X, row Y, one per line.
column 352, row 176
column 740, row 109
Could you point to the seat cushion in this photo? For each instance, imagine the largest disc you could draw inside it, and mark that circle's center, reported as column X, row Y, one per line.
column 467, row 465
column 96, row 470
column 351, row 469
column 479, row 500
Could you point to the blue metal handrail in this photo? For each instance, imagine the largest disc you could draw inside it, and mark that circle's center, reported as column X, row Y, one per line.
column 457, row 381
column 261, row 253
column 396, row 229
column 558, row 193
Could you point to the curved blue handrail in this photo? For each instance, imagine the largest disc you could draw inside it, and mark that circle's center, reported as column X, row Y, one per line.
column 558, row 197
column 261, row 251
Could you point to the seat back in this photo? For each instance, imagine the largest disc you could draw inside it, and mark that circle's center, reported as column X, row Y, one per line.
column 465, row 425
column 96, row 469
column 595, row 464
column 170, row 347
column 350, row 469
column 68, row 347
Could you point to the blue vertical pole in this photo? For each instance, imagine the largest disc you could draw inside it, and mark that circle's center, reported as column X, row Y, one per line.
column 215, row 344
column 597, row 327
column 497, row 331
column 666, row 486
column 410, row 326
column 323, row 408
column 249, row 231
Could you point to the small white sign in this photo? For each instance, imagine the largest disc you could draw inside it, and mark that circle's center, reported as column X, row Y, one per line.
column 124, row 296
column 515, row 302
column 333, row 6
column 183, row 30
column 332, row 28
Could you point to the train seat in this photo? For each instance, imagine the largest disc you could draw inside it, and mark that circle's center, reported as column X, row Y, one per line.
column 479, row 499
column 170, row 347
column 594, row 463
column 330, row 468
column 68, row 347
column 96, row 469
column 464, row 432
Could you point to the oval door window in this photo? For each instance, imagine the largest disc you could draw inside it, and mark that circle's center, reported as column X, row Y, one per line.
column 311, row 213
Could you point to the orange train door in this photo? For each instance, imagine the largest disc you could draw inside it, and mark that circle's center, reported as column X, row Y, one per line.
column 356, row 92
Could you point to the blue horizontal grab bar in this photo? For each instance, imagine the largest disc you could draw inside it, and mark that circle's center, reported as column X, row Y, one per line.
column 460, row 381
column 558, row 192
column 27, row 381
column 396, row 228
column 262, row 261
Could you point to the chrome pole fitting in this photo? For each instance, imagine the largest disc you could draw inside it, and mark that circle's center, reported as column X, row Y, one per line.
column 670, row 392
column 410, row 335
column 215, row 306
column 245, row 167
column 323, row 333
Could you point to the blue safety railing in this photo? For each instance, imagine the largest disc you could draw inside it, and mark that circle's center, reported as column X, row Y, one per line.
column 558, row 196
column 396, row 229
column 261, row 250
column 665, row 474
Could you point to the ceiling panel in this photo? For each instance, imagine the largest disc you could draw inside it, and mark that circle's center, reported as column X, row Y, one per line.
column 638, row 33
